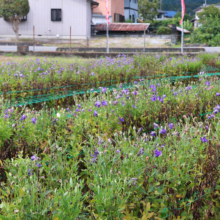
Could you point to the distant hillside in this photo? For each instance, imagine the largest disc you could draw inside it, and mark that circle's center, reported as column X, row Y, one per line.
column 175, row 5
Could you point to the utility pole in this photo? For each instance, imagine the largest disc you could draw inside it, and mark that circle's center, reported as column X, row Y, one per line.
column 160, row 4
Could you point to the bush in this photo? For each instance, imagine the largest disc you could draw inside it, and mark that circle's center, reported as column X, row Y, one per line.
column 163, row 30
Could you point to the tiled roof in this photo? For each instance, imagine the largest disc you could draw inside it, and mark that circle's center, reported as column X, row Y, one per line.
column 123, row 27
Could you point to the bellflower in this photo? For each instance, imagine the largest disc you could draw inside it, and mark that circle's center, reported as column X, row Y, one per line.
column 104, row 103
column 153, row 133
column 34, row 120
column 204, row 139
column 163, row 131
column 156, row 125
column 95, row 113
column 171, row 125
column 207, row 83
column 157, row 153
column 118, row 151
column 217, row 94
column 98, row 104
column 34, row 158
column 23, row 117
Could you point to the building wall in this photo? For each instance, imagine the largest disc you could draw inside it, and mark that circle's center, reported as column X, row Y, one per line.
column 131, row 9
column 99, row 19
column 114, row 6
column 75, row 13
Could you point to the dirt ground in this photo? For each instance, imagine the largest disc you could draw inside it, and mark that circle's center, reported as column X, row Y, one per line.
column 117, row 42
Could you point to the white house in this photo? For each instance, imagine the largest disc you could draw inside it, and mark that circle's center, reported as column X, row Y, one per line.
column 131, row 10
column 54, row 18
column 200, row 9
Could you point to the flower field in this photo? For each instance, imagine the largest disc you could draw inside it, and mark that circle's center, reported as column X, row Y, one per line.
column 127, row 149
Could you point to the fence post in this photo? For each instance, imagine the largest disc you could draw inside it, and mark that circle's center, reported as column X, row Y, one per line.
column 87, row 41
column 70, row 37
column 34, row 38
column 144, row 38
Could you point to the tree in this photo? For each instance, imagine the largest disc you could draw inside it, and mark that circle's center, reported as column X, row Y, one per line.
column 147, row 9
column 210, row 11
column 14, row 11
column 186, row 16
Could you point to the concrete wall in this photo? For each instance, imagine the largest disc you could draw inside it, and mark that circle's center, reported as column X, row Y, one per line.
column 114, row 6
column 75, row 13
column 99, row 19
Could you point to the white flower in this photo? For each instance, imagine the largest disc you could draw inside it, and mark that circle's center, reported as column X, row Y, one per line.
column 58, row 115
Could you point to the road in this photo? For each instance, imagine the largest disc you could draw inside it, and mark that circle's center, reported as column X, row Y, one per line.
column 42, row 48
column 37, row 48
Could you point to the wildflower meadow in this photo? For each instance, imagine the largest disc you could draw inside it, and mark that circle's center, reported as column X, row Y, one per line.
column 113, row 138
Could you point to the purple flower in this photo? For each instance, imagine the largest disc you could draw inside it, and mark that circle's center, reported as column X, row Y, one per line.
column 16, row 74
column 153, row 98
column 153, row 133
column 121, row 119
column 134, row 106
column 30, row 172
column 79, row 105
column 77, row 110
column 135, row 82
column 104, row 90
column 171, row 125
column 118, row 151
column 163, row 131
column 21, row 75
column 23, row 117
column 95, row 156
column 156, row 125
column 153, row 87
column 134, row 181
column 104, row 103
column 89, row 110
column 34, row 158
column 204, row 139
column 95, row 113
column 92, row 73
column 188, row 88
column 98, row 104
column 38, row 165
column 157, row 153
column 141, row 151
column 207, row 83
column 34, row 120
column 140, row 129
column 217, row 94
column 207, row 127
column 67, row 109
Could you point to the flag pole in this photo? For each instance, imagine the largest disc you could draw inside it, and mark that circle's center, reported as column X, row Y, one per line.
column 182, row 39
column 107, row 39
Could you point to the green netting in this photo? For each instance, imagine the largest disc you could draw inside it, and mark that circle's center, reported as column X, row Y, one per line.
column 63, row 94
column 110, row 82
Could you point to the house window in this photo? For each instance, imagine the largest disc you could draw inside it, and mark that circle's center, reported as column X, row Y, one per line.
column 24, row 18
column 159, row 16
column 56, row 15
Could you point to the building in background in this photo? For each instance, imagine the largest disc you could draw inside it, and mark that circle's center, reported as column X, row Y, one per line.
column 170, row 14
column 116, row 11
column 131, row 10
column 200, row 9
column 53, row 18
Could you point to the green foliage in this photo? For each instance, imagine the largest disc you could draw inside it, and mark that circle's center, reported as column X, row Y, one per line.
column 186, row 16
column 208, row 32
column 14, row 10
column 147, row 9
column 209, row 12
column 163, row 30
column 175, row 5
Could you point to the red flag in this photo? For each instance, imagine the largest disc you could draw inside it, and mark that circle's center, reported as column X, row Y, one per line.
column 107, row 12
column 183, row 11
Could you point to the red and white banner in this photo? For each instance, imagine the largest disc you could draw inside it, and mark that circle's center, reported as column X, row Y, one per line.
column 183, row 11
column 107, row 12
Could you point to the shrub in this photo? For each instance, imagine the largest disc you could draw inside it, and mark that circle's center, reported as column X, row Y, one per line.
column 164, row 30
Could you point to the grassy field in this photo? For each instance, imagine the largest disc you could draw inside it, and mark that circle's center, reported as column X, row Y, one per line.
column 137, row 149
